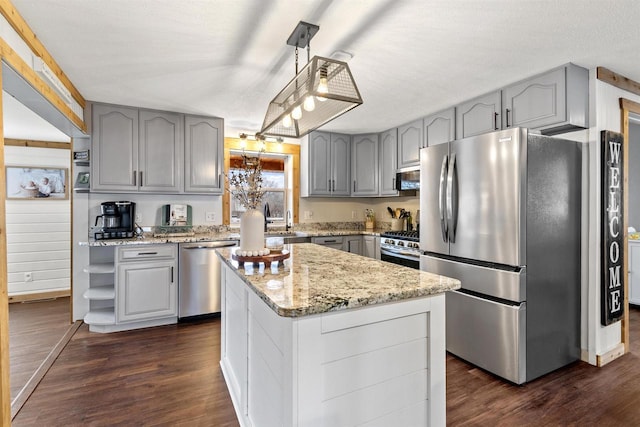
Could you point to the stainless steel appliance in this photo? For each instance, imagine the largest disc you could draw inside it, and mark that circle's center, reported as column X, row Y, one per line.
column 199, row 283
column 501, row 212
column 118, row 220
column 400, row 247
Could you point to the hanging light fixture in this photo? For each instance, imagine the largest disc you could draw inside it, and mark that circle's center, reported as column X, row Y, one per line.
column 323, row 90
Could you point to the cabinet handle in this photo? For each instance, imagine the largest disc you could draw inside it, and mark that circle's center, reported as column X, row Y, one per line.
column 135, row 174
column 393, row 183
column 354, row 186
column 140, row 178
column 219, row 180
column 507, row 117
column 330, row 241
column 171, row 274
column 495, row 121
column 334, row 185
column 147, row 253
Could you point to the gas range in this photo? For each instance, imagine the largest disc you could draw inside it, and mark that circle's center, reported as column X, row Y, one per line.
column 400, row 244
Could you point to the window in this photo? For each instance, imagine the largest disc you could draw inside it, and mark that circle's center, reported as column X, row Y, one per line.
column 274, row 184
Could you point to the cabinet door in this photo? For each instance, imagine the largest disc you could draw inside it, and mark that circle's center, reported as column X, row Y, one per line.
column 353, row 244
column 364, row 165
column 146, row 290
column 440, row 128
column 634, row 273
column 371, row 246
column 409, row 144
column 114, row 148
column 536, row 102
column 388, row 154
column 341, row 164
column 161, row 147
column 478, row 116
column 320, row 177
column 204, row 163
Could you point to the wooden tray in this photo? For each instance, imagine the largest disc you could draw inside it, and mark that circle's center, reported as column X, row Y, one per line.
column 267, row 259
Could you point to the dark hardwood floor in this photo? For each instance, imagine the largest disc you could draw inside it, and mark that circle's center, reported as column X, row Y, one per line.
column 34, row 329
column 170, row 376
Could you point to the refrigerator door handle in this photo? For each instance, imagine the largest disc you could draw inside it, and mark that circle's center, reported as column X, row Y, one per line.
column 441, row 197
column 452, row 198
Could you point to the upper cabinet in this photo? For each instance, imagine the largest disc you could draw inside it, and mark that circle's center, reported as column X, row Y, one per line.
column 137, row 150
column 554, row 102
column 328, row 158
column 160, row 152
column 388, row 158
column 204, row 147
column 409, row 144
column 479, row 115
column 439, row 128
column 364, row 165
column 114, row 148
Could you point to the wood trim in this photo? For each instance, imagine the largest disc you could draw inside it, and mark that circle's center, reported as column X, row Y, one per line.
column 617, row 80
column 270, row 147
column 610, row 356
column 37, row 296
column 626, row 106
column 18, row 23
column 38, row 144
column 12, row 58
column 5, row 391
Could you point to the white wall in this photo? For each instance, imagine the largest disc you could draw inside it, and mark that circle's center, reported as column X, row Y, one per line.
column 38, row 231
column 327, row 209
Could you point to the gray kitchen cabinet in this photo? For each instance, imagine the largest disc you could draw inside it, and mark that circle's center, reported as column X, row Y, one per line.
column 409, row 144
column 146, row 283
column 364, row 165
column 352, row 244
column 371, row 246
column 114, row 148
column 439, row 128
column 554, row 102
column 160, row 156
column 388, row 158
column 336, row 242
column 136, row 150
column 204, row 163
column 328, row 164
column 479, row 115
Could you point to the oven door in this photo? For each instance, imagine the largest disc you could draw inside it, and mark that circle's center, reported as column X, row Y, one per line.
column 400, row 259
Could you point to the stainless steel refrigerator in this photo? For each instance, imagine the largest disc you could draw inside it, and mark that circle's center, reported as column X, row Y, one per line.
column 501, row 212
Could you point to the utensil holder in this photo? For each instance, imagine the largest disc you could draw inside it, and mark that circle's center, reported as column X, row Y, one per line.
column 397, row 224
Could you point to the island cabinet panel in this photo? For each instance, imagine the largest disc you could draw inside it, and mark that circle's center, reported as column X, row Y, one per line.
column 377, row 365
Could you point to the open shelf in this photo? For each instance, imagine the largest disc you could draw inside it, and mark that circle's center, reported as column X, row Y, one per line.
column 105, row 292
column 102, row 268
column 101, row 316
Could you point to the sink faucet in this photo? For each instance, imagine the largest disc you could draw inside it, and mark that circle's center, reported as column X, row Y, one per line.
column 287, row 219
column 267, row 214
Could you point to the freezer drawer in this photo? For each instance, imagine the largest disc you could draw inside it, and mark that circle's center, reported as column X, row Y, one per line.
column 488, row 334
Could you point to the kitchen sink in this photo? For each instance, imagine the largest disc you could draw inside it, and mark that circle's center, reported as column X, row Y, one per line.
column 290, row 236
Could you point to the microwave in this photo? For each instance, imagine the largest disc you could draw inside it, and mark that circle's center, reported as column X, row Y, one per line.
column 408, row 180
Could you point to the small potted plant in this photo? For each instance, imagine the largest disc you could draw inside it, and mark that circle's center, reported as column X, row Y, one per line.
column 370, row 217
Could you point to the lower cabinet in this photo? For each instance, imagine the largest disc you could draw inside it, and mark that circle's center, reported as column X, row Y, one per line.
column 352, row 244
column 371, row 246
column 634, row 272
column 336, row 242
column 144, row 290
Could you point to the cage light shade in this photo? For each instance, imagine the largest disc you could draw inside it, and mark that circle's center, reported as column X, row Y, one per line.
column 341, row 95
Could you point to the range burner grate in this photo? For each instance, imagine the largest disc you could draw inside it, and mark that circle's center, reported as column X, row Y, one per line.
column 413, row 236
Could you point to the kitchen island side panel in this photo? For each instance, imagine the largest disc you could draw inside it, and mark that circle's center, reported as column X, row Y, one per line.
column 377, row 365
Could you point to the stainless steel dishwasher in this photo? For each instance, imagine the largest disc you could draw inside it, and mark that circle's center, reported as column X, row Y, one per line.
column 199, row 284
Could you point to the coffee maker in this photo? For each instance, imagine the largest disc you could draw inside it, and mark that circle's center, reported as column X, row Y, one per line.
column 118, row 220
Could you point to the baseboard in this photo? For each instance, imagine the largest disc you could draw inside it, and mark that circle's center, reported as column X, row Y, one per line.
column 610, row 355
column 36, row 296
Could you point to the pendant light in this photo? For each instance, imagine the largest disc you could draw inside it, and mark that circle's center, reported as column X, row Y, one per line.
column 323, row 90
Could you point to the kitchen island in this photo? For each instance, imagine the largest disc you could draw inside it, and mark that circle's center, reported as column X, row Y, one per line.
column 332, row 338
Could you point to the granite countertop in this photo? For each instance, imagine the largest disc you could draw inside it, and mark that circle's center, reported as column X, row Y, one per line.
column 317, row 279
column 149, row 239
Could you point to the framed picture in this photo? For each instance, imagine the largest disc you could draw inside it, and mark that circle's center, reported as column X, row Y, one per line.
column 82, row 181
column 46, row 183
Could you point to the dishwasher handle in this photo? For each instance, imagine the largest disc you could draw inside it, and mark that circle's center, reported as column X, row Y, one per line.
column 212, row 245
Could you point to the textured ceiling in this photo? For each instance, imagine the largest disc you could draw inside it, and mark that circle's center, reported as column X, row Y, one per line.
column 229, row 58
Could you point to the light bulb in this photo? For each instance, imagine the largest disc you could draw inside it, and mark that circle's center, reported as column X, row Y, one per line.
column 296, row 114
column 286, row 121
column 323, row 87
column 309, row 105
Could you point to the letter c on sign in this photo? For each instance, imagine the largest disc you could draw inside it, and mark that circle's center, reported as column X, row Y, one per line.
column 613, row 233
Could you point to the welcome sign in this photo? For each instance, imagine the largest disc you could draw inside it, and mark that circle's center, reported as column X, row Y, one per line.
column 613, row 275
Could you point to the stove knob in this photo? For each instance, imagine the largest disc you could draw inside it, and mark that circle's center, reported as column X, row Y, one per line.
column 401, row 243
